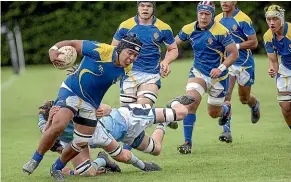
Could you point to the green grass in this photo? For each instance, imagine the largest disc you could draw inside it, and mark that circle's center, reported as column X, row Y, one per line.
column 260, row 152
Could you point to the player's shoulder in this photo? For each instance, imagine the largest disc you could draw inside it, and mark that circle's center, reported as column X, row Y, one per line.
column 128, row 24
column 242, row 17
column 162, row 25
column 218, row 17
column 218, row 29
column 189, row 28
column 105, row 51
column 268, row 36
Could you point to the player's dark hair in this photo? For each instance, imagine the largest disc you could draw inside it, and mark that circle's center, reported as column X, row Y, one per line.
column 130, row 41
column 152, row 2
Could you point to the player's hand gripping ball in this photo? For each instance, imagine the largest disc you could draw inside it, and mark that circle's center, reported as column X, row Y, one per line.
column 67, row 57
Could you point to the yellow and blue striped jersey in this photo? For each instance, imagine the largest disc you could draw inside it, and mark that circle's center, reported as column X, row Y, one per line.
column 208, row 45
column 240, row 27
column 281, row 47
column 152, row 36
column 96, row 73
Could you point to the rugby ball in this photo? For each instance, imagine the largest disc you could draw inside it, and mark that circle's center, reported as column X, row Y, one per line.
column 68, row 57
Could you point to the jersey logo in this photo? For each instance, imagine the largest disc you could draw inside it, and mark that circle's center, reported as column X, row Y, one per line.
column 210, row 40
column 156, row 35
column 101, row 69
column 234, row 27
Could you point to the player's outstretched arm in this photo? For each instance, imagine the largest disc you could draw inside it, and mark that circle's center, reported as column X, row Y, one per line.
column 103, row 110
column 273, row 64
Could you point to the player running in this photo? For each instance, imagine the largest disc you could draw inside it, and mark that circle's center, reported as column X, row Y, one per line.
column 209, row 41
column 243, row 70
column 278, row 42
column 80, row 96
column 142, row 84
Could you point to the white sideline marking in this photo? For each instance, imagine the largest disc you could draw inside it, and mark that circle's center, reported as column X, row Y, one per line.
column 10, row 81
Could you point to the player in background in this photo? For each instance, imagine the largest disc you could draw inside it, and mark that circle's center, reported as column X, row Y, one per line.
column 80, row 96
column 243, row 70
column 278, row 42
column 142, row 84
column 209, row 41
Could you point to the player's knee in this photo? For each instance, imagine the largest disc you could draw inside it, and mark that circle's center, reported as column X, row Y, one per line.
column 158, row 149
column 213, row 113
column 244, row 99
column 147, row 97
column 151, row 148
column 80, row 141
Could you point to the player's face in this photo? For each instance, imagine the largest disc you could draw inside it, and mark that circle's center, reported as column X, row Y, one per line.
column 145, row 10
column 204, row 19
column 227, row 6
column 126, row 57
column 274, row 23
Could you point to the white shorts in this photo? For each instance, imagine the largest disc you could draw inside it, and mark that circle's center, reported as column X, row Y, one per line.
column 134, row 117
column 130, row 83
column 283, row 79
column 100, row 138
column 216, row 88
column 137, row 118
column 66, row 98
column 244, row 74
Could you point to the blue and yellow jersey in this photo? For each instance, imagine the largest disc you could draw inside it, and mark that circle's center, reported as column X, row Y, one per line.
column 208, row 45
column 152, row 37
column 281, row 47
column 240, row 27
column 96, row 73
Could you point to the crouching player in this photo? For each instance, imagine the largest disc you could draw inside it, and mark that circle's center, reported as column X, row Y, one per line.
column 278, row 42
column 127, row 124
column 100, row 165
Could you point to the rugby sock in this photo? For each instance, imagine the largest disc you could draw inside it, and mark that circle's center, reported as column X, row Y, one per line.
column 226, row 127
column 99, row 162
column 58, row 165
column 136, row 162
column 225, row 109
column 127, row 147
column 37, row 156
column 188, row 124
column 255, row 107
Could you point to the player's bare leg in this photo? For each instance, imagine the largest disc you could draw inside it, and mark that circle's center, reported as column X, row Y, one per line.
column 59, row 122
column 285, row 104
column 195, row 87
column 147, row 94
column 82, row 134
column 226, row 134
column 126, row 156
column 245, row 97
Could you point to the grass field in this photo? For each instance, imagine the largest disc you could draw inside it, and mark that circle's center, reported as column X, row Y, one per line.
column 260, row 152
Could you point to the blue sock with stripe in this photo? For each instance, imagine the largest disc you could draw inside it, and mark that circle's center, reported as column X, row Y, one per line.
column 37, row 156
column 189, row 123
column 58, row 165
column 226, row 127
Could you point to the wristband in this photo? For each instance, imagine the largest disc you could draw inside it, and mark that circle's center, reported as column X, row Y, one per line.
column 72, row 172
column 237, row 46
column 222, row 67
column 54, row 48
